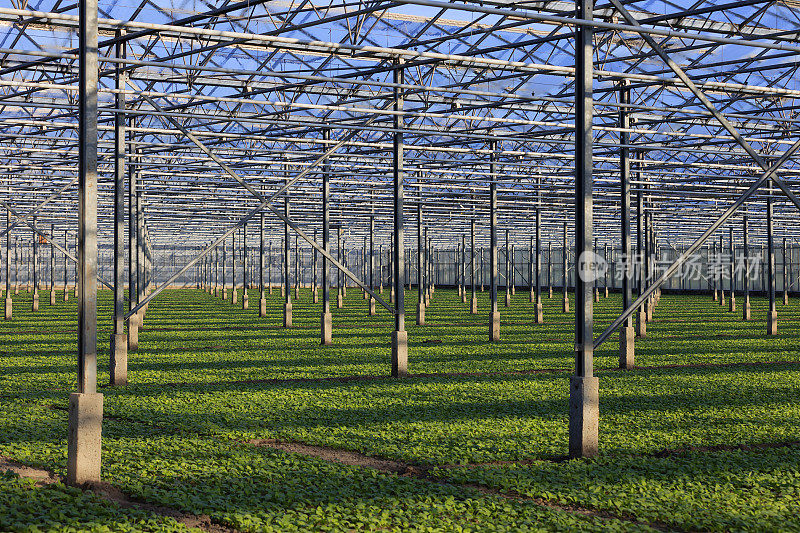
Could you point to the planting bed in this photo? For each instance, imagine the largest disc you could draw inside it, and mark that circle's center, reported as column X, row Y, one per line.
column 239, row 424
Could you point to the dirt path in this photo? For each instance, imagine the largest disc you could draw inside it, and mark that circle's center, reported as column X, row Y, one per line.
column 113, row 494
column 423, row 473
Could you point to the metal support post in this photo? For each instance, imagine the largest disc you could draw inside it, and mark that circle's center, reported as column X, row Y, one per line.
column 340, row 258
column 746, row 275
column 66, row 267
column 314, row 281
column 732, row 272
column 463, row 273
column 118, row 359
column 234, row 291
column 399, row 335
column 52, row 268
column 86, row 405
column 262, row 295
column 35, row 266
column 473, row 308
column 420, row 264
column 508, row 271
column 326, row 320
column 584, row 410
column 772, row 314
column 245, row 267
column 494, row 317
column 627, row 356
column 539, row 312
column 9, row 304
column 641, row 315
column 372, row 260
column 565, row 272
column 287, row 281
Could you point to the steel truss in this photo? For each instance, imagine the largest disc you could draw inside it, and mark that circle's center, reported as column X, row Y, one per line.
column 410, row 122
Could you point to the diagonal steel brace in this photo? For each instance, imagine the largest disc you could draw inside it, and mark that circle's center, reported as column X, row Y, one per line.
column 697, row 244
column 706, row 102
column 265, row 203
column 21, row 218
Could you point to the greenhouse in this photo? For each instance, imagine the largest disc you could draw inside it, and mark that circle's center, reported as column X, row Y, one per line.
column 399, row 265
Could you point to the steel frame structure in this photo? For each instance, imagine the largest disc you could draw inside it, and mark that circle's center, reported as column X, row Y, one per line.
column 534, row 118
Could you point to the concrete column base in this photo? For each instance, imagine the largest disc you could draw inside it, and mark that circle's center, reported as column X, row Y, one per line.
column 785, row 298
column 565, row 306
column 473, row 307
column 391, row 295
column 732, row 304
column 772, row 323
column 9, row 308
column 463, row 297
column 584, row 416
column 119, row 360
column 550, row 292
column 16, row 290
column 269, row 290
column 224, row 294
column 420, row 314
column 234, row 296
column 133, row 333
column 364, row 294
column 513, row 290
column 35, row 304
column 297, row 293
column 340, row 300
column 262, row 307
column 722, row 298
column 532, row 297
column 626, row 348
column 641, row 323
column 539, row 314
column 746, row 308
column 52, row 297
column 715, row 295
column 508, row 299
column 283, row 291
column 287, row 315
column 315, row 295
column 66, row 294
column 596, row 295
column 606, row 294
column 372, row 307
column 494, row 326
column 344, row 289
column 245, row 301
column 380, row 288
column 84, row 443
column 399, row 354
column 649, row 310
column 326, row 329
